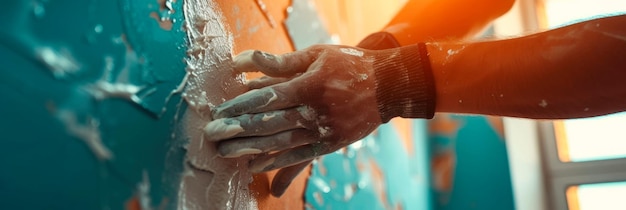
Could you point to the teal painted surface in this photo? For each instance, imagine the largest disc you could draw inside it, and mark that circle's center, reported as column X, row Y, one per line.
column 347, row 179
column 44, row 166
column 481, row 177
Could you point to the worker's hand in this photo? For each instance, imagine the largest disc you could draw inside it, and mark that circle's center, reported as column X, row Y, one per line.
column 313, row 102
column 318, row 100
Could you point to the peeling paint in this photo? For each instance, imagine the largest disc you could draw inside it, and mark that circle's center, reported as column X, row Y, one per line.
column 164, row 23
column 163, row 16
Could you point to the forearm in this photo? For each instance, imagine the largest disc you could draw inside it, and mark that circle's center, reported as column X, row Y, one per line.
column 575, row 71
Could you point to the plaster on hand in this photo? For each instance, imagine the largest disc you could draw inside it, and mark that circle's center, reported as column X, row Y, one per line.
column 223, row 129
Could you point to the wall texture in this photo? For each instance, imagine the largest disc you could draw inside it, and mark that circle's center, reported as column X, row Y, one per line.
column 87, row 117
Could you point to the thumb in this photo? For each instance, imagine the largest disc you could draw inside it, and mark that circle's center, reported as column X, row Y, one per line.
column 285, row 176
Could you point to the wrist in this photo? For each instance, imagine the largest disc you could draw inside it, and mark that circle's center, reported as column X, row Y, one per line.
column 404, row 83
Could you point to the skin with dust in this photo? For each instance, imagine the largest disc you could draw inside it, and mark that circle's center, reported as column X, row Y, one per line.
column 351, row 51
column 209, row 181
column 225, row 128
column 244, row 151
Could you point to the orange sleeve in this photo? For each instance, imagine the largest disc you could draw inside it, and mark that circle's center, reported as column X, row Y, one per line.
column 432, row 20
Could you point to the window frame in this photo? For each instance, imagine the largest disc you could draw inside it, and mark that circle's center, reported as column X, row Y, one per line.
column 561, row 175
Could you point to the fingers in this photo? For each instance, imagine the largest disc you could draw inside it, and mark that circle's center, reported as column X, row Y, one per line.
column 285, row 65
column 253, row 101
column 276, row 97
column 261, row 144
column 288, row 157
column 261, row 124
column 265, row 81
column 285, row 176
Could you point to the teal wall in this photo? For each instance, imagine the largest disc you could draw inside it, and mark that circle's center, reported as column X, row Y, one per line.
column 54, row 53
column 467, row 152
column 478, row 176
column 374, row 173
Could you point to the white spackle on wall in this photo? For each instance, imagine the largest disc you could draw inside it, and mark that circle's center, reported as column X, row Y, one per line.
column 143, row 192
column 88, row 133
column 60, row 62
column 215, row 183
column 117, row 86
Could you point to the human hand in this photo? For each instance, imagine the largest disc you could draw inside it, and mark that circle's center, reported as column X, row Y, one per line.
column 315, row 101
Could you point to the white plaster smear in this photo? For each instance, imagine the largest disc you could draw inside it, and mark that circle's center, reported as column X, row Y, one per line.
column 210, row 182
column 244, row 151
column 88, row 133
column 222, row 129
column 267, row 117
column 61, row 63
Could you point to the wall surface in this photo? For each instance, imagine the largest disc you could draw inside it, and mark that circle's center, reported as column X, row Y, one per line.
column 91, row 105
column 87, row 117
column 469, row 163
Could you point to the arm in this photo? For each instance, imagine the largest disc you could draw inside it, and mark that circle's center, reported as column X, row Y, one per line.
column 570, row 72
column 323, row 98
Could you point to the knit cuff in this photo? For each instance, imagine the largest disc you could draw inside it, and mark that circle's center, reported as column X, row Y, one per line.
column 404, row 83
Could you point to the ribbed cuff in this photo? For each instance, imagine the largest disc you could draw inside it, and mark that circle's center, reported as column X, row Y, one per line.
column 404, row 83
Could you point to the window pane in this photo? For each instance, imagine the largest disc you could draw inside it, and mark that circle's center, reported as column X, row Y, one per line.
column 560, row 12
column 605, row 196
column 597, row 138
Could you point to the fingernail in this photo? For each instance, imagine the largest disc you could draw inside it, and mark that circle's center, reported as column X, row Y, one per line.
column 266, row 60
column 265, row 55
column 241, row 152
column 243, row 57
column 258, row 167
column 216, row 112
